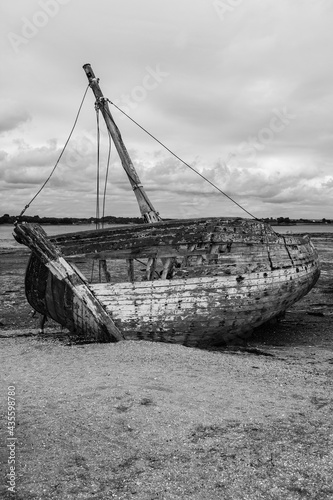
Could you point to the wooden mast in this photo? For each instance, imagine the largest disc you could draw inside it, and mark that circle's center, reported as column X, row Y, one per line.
column 146, row 208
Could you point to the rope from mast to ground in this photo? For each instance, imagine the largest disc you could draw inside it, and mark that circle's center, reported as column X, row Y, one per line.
column 60, row 156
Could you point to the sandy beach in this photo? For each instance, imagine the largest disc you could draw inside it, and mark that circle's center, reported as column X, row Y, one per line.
column 159, row 421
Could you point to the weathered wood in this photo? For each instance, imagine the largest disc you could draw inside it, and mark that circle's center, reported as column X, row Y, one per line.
column 203, row 310
column 208, row 292
column 175, row 236
column 150, row 269
column 103, row 270
column 135, row 241
column 130, row 270
column 66, row 297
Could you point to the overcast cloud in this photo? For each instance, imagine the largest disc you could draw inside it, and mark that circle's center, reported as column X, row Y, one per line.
column 241, row 90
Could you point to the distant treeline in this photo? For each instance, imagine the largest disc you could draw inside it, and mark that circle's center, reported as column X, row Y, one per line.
column 10, row 219
column 287, row 220
column 110, row 219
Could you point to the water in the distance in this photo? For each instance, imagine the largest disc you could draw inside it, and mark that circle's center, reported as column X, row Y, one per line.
column 304, row 228
column 7, row 239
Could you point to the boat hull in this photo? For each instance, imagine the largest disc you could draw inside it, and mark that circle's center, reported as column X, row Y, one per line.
column 218, row 280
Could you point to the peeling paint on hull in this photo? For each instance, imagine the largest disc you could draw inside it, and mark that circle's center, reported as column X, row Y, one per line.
column 206, row 281
column 199, row 311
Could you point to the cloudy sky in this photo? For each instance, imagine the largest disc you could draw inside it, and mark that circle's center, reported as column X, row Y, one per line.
column 240, row 89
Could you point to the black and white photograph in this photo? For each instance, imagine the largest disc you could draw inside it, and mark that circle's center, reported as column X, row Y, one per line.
column 166, row 249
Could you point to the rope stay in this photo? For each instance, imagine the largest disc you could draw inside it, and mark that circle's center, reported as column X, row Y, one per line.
column 60, row 156
column 106, row 177
column 98, row 218
column 182, row 161
column 98, row 167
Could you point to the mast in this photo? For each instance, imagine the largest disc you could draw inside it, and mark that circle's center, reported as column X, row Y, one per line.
column 146, row 208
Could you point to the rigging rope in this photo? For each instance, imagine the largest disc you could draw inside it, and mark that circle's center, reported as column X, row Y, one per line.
column 184, row 162
column 59, row 158
column 97, row 175
column 106, row 177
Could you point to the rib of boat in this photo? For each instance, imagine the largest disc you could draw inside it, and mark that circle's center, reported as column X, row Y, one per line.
column 196, row 282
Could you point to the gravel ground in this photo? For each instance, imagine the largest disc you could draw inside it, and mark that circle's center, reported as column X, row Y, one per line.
column 137, row 420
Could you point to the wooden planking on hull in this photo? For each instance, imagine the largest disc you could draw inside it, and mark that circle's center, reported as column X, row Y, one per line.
column 220, row 307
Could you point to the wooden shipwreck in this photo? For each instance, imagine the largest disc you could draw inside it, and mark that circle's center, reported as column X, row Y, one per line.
column 194, row 282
